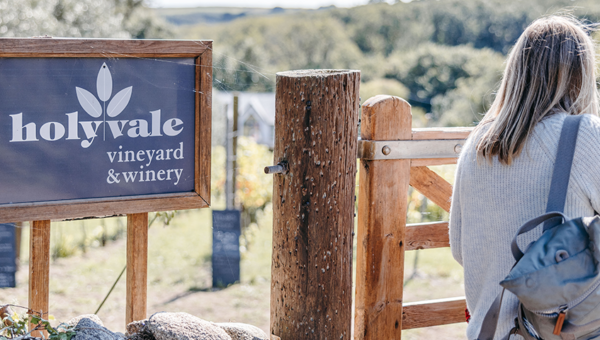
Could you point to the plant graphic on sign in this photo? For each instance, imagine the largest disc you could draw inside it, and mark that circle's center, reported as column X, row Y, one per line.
column 104, row 85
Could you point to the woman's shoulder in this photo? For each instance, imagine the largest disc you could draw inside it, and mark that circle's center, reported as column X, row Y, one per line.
column 589, row 133
column 590, row 123
column 551, row 126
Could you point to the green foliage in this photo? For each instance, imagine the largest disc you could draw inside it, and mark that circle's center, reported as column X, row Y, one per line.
column 254, row 189
column 448, row 54
column 390, row 87
column 218, row 174
column 472, row 96
column 67, row 239
column 15, row 326
column 254, row 49
column 80, row 18
column 162, row 216
column 495, row 24
column 454, row 83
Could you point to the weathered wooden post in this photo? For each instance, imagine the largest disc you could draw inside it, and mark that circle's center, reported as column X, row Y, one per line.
column 316, row 132
column 137, row 267
column 39, row 270
column 382, row 205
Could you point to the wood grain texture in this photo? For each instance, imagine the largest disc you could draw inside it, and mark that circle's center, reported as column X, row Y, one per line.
column 381, row 223
column 204, row 118
column 137, row 267
column 427, row 236
column 316, row 129
column 433, row 313
column 70, row 209
column 432, row 161
column 432, row 185
column 39, row 269
column 442, row 133
column 58, row 47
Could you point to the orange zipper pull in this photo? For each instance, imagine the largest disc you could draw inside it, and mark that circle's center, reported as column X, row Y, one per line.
column 559, row 322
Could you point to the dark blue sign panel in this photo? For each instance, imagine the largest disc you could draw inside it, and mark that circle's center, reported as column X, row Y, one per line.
column 226, row 247
column 7, row 255
column 78, row 128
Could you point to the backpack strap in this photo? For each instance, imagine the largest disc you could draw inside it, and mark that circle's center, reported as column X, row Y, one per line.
column 530, row 225
column 556, row 203
column 562, row 168
column 490, row 322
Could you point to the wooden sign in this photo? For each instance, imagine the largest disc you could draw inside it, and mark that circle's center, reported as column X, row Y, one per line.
column 226, row 247
column 103, row 127
column 7, row 255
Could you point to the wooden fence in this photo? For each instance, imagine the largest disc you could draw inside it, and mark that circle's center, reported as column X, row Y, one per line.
column 393, row 157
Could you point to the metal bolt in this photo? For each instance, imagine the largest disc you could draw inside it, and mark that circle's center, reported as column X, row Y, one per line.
column 457, row 148
column 386, row 150
column 281, row 168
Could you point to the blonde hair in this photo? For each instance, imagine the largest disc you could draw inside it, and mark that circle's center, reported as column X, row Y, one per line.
column 550, row 69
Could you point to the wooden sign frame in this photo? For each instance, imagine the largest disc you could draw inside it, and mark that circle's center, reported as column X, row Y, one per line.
column 201, row 51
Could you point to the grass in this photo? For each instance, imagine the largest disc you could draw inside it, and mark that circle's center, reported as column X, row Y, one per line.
column 179, row 274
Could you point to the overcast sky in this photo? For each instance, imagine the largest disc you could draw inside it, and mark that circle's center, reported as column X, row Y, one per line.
column 256, row 3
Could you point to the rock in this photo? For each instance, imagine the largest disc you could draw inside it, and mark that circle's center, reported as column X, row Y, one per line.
column 138, row 330
column 183, row 326
column 92, row 317
column 87, row 329
column 136, row 327
column 144, row 334
column 242, row 331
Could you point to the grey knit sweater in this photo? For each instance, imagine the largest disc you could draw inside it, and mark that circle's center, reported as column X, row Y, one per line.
column 490, row 202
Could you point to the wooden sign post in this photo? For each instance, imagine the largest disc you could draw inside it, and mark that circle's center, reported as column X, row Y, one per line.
column 96, row 128
column 316, row 133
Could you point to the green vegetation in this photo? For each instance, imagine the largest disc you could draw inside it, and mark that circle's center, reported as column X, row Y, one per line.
column 81, row 18
column 444, row 57
column 13, row 326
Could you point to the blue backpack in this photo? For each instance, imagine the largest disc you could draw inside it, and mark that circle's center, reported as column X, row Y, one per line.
column 557, row 279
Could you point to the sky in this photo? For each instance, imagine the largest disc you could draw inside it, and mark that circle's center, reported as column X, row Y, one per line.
column 256, row 3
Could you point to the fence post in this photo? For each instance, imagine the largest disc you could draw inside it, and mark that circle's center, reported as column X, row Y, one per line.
column 316, row 132
column 382, row 205
column 39, row 270
column 137, row 267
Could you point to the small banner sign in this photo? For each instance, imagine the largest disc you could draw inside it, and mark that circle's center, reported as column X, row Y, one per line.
column 74, row 128
column 226, row 247
column 7, row 255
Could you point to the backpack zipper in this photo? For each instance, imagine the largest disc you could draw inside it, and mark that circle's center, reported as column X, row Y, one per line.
column 560, row 321
column 551, row 313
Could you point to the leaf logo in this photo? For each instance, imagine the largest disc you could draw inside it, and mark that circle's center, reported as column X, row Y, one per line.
column 104, row 85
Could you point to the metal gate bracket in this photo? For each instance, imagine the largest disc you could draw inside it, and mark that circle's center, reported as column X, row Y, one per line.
column 409, row 149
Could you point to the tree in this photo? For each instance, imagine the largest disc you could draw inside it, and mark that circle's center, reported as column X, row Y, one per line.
column 78, row 18
column 466, row 104
column 251, row 50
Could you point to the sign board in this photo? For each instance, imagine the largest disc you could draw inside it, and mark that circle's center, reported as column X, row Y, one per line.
column 103, row 127
column 226, row 247
column 7, row 256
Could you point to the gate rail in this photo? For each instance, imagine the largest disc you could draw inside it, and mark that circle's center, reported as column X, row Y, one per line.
column 394, row 156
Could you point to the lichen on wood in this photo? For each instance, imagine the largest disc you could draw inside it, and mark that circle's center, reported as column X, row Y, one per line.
column 316, row 133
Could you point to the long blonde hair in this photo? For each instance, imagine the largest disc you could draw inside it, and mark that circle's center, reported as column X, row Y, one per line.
column 550, row 69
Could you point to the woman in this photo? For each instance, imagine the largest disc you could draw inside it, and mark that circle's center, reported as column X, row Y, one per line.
column 504, row 171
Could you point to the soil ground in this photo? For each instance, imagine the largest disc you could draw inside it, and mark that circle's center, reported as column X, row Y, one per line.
column 179, row 278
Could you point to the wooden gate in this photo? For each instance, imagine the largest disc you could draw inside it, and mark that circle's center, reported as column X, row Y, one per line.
column 393, row 156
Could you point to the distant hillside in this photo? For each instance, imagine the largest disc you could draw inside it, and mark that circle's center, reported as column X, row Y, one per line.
column 217, row 15
column 444, row 57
